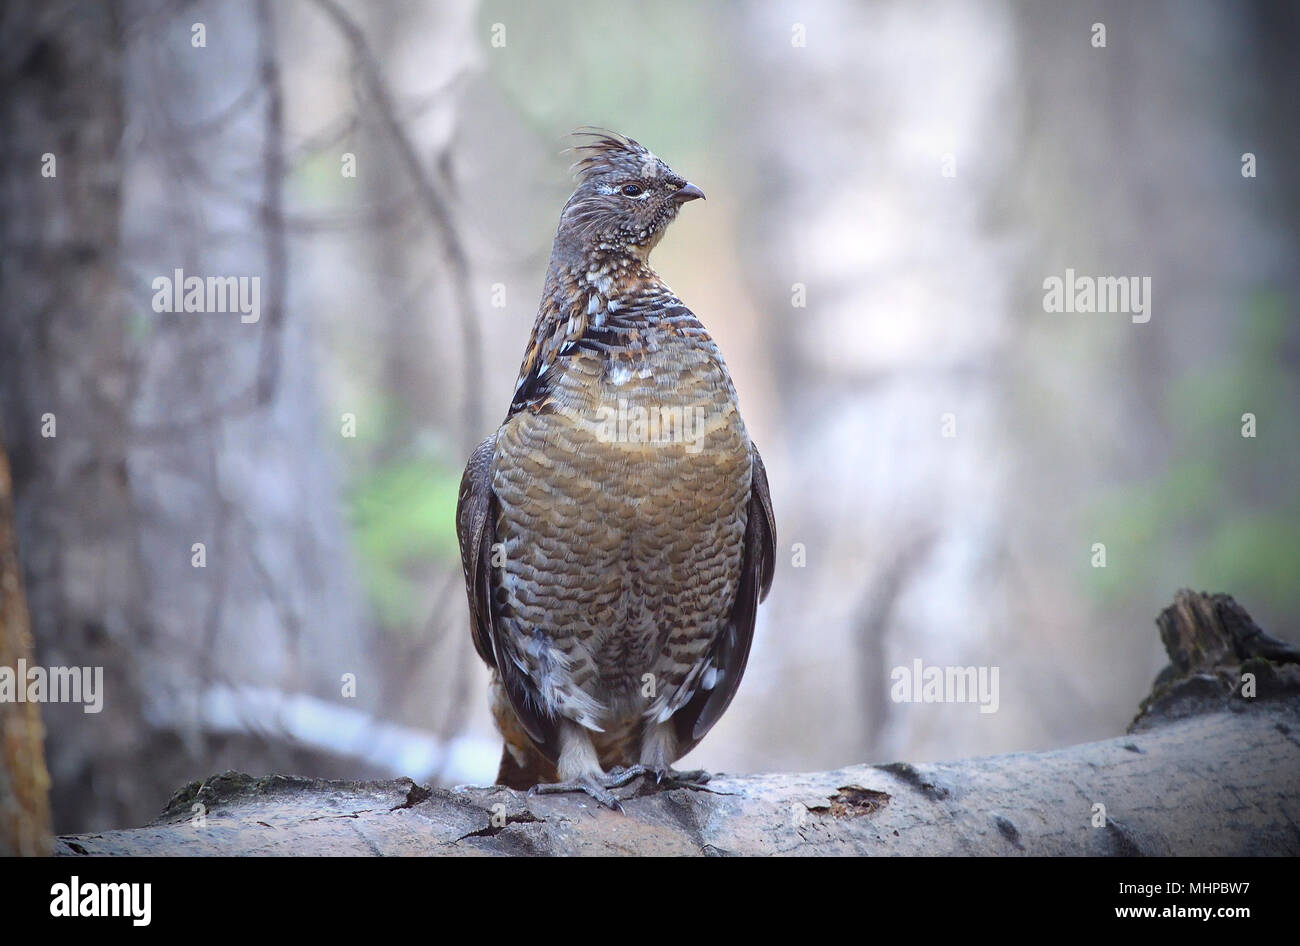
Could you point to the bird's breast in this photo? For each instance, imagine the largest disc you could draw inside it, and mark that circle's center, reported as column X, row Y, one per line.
column 646, row 437
column 622, row 515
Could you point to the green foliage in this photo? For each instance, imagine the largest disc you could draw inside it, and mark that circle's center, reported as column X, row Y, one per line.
column 317, row 177
column 1225, row 513
column 403, row 517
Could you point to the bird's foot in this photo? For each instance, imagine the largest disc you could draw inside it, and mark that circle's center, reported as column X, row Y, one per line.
column 663, row 778
column 597, row 785
column 694, row 779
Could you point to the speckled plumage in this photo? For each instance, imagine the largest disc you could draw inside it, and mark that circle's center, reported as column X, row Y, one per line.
column 616, row 531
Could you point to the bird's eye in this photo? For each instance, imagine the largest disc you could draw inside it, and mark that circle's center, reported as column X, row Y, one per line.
column 632, row 190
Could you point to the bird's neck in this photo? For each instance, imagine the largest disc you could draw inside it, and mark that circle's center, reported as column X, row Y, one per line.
column 592, row 305
column 620, row 273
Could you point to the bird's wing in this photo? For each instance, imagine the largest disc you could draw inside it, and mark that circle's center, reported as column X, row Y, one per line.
column 731, row 651
column 476, row 531
column 476, row 515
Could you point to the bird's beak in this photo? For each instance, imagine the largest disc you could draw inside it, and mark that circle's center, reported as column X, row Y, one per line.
column 688, row 192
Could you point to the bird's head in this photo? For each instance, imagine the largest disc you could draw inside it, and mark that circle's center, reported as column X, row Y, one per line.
column 625, row 198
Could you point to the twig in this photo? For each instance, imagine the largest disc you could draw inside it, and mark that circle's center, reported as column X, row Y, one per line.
column 268, row 362
column 453, row 251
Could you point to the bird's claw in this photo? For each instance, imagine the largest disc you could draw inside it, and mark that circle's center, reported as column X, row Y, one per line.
column 598, row 786
column 663, row 779
column 694, row 779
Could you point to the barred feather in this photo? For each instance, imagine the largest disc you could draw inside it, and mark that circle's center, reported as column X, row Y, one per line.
column 622, row 614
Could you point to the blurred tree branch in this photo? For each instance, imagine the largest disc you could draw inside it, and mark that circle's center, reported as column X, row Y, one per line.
column 437, row 209
column 276, row 248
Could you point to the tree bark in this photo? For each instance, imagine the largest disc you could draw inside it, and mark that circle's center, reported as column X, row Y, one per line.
column 1204, row 770
column 24, row 782
column 66, row 379
column 137, row 435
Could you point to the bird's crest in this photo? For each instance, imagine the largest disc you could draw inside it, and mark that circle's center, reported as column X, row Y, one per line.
column 599, row 150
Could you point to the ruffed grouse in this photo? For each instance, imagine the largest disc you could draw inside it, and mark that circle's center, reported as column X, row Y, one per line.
column 616, row 531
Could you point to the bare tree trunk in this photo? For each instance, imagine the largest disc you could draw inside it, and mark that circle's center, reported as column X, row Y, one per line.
column 136, row 435
column 24, row 782
column 895, row 397
column 65, row 378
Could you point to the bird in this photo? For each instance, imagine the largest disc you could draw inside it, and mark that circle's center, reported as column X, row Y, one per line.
column 616, row 531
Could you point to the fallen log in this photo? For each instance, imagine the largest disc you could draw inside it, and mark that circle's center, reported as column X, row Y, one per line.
column 1210, row 766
